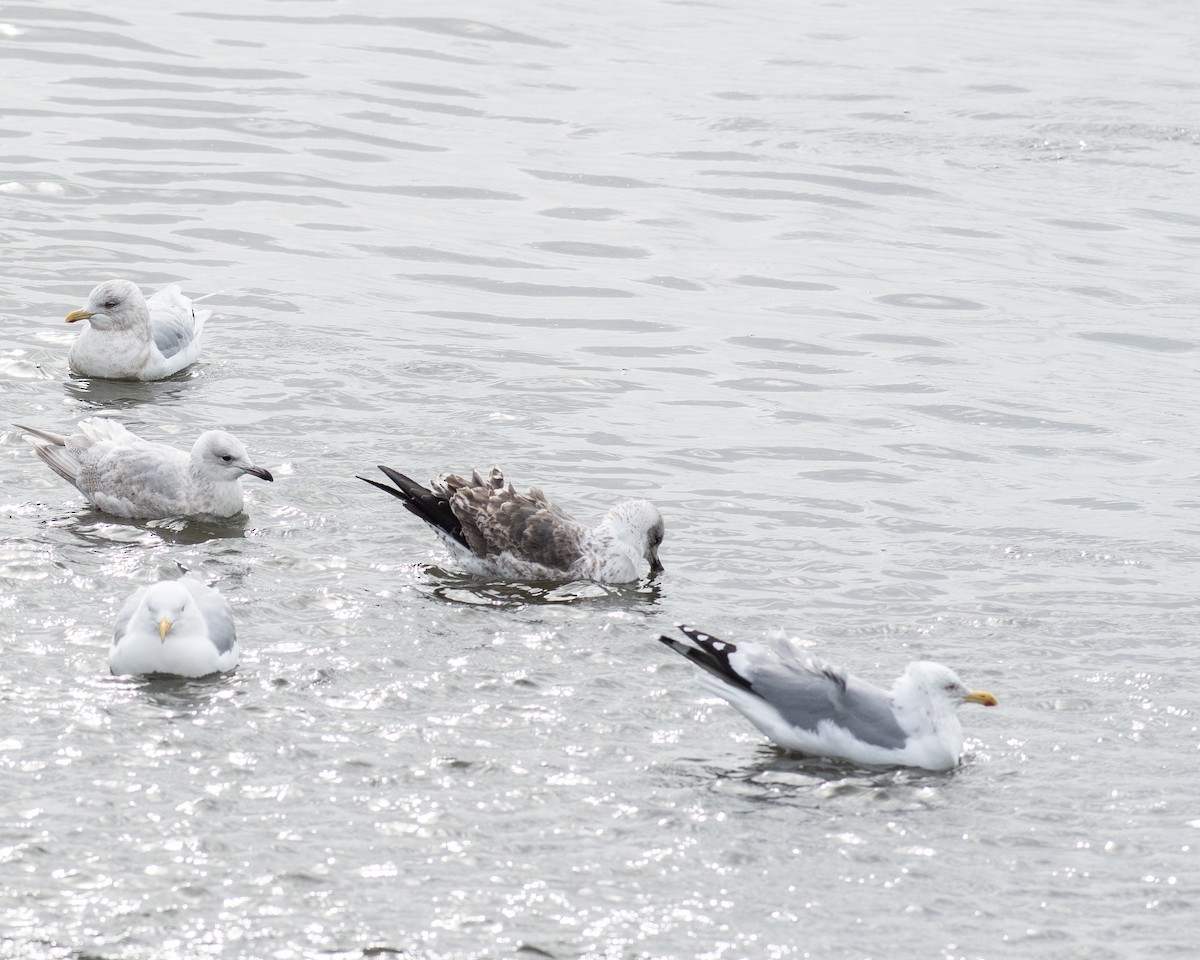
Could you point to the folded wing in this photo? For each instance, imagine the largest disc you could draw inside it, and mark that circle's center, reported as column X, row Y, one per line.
column 218, row 615
column 175, row 325
column 497, row 520
column 804, row 692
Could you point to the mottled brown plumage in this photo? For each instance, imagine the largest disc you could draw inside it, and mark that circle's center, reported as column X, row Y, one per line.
column 494, row 530
column 497, row 520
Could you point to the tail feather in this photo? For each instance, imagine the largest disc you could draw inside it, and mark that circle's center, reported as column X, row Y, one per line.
column 421, row 502
column 99, row 429
column 200, row 316
column 710, row 653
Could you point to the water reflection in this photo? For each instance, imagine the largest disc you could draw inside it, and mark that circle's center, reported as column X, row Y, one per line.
column 180, row 696
column 189, row 531
column 455, row 587
column 109, row 395
column 777, row 776
column 778, row 766
column 94, row 528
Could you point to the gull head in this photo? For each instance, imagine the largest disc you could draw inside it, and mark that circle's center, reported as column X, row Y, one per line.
column 941, row 685
column 114, row 305
column 639, row 524
column 166, row 603
column 222, row 456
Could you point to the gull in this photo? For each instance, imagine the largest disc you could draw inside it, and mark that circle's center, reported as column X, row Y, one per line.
column 122, row 474
column 811, row 707
column 177, row 627
column 131, row 338
column 493, row 531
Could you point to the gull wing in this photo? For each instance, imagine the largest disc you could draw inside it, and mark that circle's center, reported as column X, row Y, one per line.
column 53, row 451
column 131, row 605
column 174, row 324
column 804, row 692
column 809, row 692
column 497, row 520
column 430, row 506
column 134, row 479
column 218, row 615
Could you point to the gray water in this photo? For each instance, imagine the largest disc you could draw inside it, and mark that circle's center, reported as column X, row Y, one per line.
column 890, row 307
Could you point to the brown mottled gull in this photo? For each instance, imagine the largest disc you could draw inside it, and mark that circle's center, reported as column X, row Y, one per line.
column 814, row 708
column 131, row 338
column 122, row 474
column 494, row 531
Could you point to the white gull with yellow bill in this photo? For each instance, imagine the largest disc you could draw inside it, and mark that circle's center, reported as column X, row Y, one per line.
column 128, row 337
column 177, row 628
column 811, row 707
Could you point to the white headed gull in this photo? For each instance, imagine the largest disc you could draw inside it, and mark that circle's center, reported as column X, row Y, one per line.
column 131, row 338
column 178, row 627
column 122, row 474
column 810, row 707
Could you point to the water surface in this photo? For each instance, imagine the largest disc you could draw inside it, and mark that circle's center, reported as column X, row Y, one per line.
column 890, row 310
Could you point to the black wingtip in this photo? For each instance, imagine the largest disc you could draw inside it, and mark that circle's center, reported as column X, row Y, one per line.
column 711, row 653
column 403, row 482
column 405, row 489
column 421, row 502
column 678, row 645
column 702, row 637
column 382, row 486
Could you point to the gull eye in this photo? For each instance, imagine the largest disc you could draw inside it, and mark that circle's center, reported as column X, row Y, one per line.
column 952, row 687
column 110, row 304
column 227, row 458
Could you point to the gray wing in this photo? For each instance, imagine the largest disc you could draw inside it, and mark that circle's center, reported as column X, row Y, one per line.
column 139, row 476
column 125, row 614
column 806, row 693
column 218, row 615
column 496, row 520
column 173, row 324
column 52, row 448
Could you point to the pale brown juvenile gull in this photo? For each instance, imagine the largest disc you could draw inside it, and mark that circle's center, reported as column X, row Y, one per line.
column 122, row 474
column 177, row 627
column 128, row 337
column 811, row 707
column 494, row 531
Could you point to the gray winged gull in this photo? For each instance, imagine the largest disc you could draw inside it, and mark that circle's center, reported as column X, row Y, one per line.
column 178, row 627
column 122, row 474
column 131, row 338
column 811, row 707
column 493, row 531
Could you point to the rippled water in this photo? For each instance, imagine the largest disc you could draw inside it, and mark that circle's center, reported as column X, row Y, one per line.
column 890, row 309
